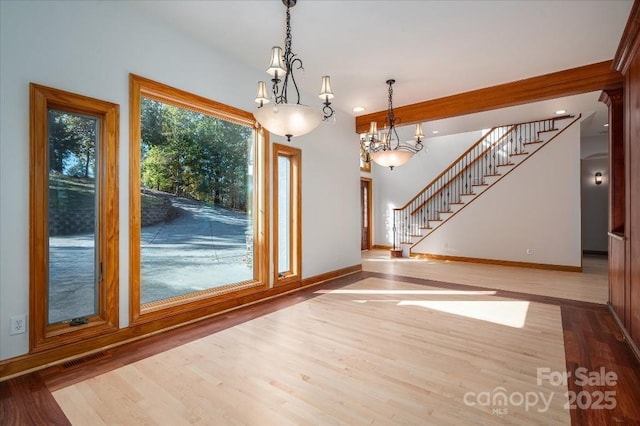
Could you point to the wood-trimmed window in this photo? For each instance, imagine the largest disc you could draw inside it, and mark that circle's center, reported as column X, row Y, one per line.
column 73, row 214
column 204, row 163
column 287, row 175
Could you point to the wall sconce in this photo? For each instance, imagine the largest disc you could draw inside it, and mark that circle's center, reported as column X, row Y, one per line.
column 598, row 178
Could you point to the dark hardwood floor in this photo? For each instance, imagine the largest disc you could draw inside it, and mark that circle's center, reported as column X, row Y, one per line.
column 592, row 342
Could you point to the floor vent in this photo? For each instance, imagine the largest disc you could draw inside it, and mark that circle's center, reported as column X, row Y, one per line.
column 80, row 361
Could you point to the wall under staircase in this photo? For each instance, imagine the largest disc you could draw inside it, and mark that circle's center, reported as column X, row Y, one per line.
column 530, row 216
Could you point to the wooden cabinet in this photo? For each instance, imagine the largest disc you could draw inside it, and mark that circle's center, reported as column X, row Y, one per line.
column 617, row 284
column 624, row 201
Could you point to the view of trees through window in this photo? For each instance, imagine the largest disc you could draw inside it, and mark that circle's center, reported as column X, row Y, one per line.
column 196, row 175
column 190, row 154
column 72, row 209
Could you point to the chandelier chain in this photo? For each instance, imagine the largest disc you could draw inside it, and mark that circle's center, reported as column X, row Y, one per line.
column 391, row 118
column 390, row 114
column 291, row 61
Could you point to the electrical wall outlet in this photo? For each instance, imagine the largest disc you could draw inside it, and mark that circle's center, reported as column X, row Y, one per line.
column 529, row 251
column 18, row 324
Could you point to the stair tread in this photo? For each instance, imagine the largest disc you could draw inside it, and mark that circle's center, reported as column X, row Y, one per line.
column 468, row 193
column 519, row 153
column 532, row 142
column 426, row 228
column 549, row 130
column 511, row 164
column 493, row 174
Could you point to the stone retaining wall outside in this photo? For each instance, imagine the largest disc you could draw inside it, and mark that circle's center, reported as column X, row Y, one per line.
column 83, row 221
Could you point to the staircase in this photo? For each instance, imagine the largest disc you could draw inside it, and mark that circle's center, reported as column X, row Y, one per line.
column 490, row 159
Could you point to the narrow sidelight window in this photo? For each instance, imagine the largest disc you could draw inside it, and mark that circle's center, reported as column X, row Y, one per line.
column 287, row 212
column 73, row 259
column 74, row 217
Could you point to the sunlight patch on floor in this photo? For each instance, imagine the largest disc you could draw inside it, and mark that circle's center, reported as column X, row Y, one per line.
column 414, row 292
column 512, row 313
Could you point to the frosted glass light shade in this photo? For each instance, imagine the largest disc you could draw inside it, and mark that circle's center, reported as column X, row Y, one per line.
column 288, row 119
column 391, row 157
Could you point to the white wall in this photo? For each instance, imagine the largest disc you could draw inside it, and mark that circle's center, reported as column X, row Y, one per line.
column 535, row 207
column 90, row 48
column 330, row 197
column 393, row 188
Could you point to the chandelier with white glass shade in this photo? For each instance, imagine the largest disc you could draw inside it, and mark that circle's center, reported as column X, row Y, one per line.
column 386, row 149
column 284, row 118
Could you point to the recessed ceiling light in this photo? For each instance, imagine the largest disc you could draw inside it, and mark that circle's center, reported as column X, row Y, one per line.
column 358, row 109
column 435, row 132
column 561, row 111
column 606, row 125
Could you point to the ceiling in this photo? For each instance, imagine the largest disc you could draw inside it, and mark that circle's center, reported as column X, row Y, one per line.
column 432, row 48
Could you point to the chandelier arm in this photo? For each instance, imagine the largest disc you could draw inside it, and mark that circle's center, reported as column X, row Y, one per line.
column 274, row 88
column 328, row 111
column 395, row 132
column 298, row 62
column 391, row 117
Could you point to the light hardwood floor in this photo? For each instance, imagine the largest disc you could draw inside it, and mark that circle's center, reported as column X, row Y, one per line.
column 382, row 350
column 590, row 285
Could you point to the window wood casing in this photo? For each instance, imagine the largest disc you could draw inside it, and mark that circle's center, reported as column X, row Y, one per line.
column 42, row 334
column 294, row 272
column 200, row 303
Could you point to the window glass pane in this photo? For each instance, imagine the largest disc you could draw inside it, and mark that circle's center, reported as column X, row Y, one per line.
column 365, row 207
column 197, row 191
column 72, row 219
column 284, row 214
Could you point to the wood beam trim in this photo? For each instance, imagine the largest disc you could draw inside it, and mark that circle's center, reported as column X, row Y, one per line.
column 569, row 82
column 630, row 40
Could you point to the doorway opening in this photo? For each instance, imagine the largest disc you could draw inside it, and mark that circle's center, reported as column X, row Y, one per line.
column 365, row 213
